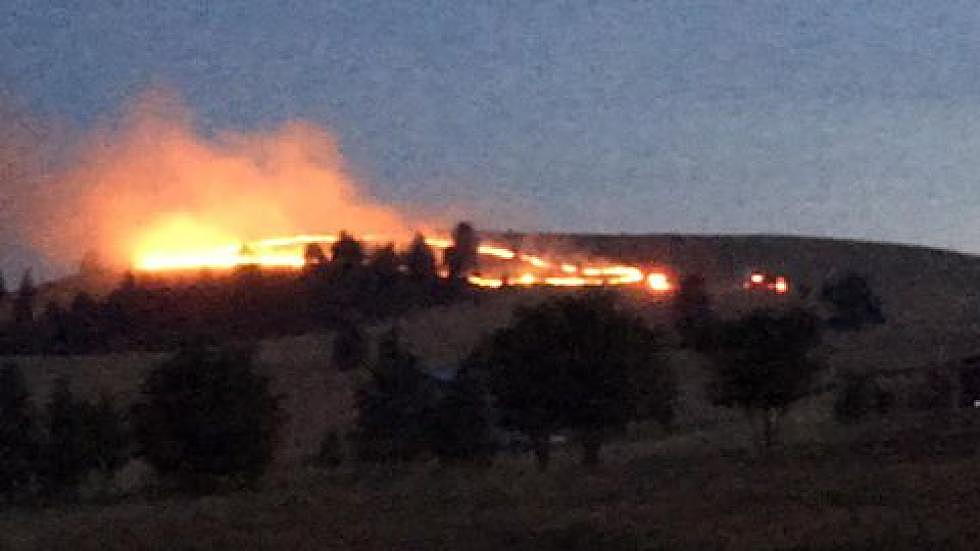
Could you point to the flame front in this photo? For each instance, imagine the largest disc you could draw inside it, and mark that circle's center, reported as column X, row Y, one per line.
column 182, row 245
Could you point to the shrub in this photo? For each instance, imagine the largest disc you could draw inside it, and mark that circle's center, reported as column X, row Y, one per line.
column 393, row 406
column 762, row 364
column 19, row 437
column 206, row 414
column 577, row 362
column 460, row 430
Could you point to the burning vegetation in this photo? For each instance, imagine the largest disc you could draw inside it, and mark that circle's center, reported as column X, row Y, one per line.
column 492, row 265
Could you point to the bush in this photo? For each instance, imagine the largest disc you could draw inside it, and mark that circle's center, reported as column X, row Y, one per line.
column 18, row 432
column 393, row 407
column 64, row 459
column 460, row 430
column 205, row 414
column 578, row 362
column 762, row 364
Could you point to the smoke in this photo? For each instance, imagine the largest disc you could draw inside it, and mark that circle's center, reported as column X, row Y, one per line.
column 149, row 181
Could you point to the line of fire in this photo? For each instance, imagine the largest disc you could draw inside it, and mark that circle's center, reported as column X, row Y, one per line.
column 498, row 265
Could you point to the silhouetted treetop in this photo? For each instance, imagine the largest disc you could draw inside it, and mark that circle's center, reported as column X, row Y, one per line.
column 420, row 260
column 762, row 363
column 578, row 362
column 347, row 251
column 462, row 257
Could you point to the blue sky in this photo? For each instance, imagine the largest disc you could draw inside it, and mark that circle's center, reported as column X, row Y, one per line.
column 849, row 119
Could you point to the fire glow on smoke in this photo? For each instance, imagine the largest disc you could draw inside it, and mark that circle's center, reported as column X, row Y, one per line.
column 150, row 191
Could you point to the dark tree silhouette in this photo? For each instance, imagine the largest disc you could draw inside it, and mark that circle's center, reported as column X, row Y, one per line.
column 420, row 260
column 462, row 257
column 54, row 326
column 313, row 256
column 692, row 314
column 762, row 364
column 85, row 333
column 3, row 288
column 64, row 459
column 577, row 362
column 23, row 310
column 383, row 264
column 460, row 428
column 204, row 414
column 350, row 347
column 347, row 253
column 394, row 406
column 19, row 438
column 106, row 436
column 852, row 302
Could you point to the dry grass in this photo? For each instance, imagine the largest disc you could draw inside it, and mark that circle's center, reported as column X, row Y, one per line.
column 674, row 493
column 911, row 492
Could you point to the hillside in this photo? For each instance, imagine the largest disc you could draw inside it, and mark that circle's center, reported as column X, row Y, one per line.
column 930, row 299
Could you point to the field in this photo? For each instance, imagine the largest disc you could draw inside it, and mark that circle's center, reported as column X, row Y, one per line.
column 902, row 482
column 897, row 490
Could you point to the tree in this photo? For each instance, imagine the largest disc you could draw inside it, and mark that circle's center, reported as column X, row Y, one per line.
column 106, row 435
column 350, row 348
column 64, row 459
column 3, row 288
column 19, row 439
column 692, row 314
column 852, row 302
column 393, row 407
column 347, row 252
column 463, row 256
column 460, row 428
column 313, row 256
column 206, row 414
column 84, row 324
column 762, row 364
column 577, row 362
column 420, row 260
column 384, row 263
column 23, row 315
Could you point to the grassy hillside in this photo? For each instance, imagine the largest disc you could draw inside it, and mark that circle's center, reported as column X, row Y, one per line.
column 931, row 299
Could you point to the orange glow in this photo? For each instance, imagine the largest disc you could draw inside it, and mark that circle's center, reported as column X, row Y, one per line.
column 499, row 252
column 148, row 189
column 489, row 282
column 182, row 244
column 524, row 279
column 757, row 278
column 659, row 282
column 781, row 286
column 535, row 261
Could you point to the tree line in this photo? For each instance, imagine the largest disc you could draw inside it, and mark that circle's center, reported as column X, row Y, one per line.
column 344, row 284
column 582, row 364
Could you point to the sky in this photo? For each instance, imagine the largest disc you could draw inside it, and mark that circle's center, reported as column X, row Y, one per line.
column 845, row 119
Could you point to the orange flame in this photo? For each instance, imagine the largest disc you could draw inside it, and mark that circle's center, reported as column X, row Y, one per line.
column 179, row 253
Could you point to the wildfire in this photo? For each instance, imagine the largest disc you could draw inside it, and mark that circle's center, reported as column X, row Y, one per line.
column 288, row 253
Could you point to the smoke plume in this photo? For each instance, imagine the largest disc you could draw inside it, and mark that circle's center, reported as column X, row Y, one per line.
column 150, row 181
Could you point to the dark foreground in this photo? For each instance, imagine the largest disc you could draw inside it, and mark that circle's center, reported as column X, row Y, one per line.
column 912, row 488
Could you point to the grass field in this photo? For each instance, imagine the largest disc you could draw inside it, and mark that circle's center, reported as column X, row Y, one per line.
column 906, row 482
column 880, row 487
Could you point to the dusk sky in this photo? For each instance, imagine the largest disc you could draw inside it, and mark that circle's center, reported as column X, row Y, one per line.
column 847, row 119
